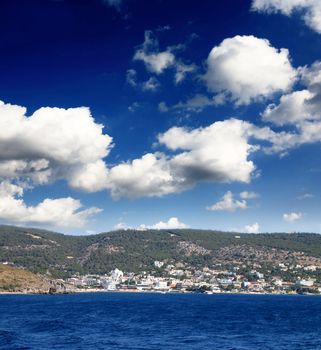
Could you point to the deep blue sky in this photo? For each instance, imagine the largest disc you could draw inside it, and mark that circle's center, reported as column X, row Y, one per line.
column 73, row 53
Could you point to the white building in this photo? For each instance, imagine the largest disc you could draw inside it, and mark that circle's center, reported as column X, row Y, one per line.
column 305, row 283
column 158, row 264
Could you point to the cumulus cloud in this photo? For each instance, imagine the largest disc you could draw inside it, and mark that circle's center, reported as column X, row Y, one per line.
column 254, row 228
column 152, row 84
column 51, row 144
column 195, row 104
column 61, row 212
column 293, row 108
column 157, row 61
column 216, row 153
column 248, row 195
column 122, row 226
column 67, row 144
column 131, row 77
column 290, row 217
column 300, row 109
column 182, row 70
column 310, row 10
column 228, row 203
column 148, row 176
column 172, row 223
column 246, row 68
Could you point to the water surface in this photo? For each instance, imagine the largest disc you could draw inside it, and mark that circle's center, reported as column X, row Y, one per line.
column 159, row 321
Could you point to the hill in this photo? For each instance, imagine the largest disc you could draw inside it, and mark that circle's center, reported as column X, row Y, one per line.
column 42, row 251
column 18, row 280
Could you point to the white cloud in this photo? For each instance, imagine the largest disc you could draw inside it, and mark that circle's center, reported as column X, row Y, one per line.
column 162, row 107
column 51, row 144
column 228, row 203
column 300, row 109
column 254, row 228
column 67, row 144
column 172, row 223
column 60, row 212
column 90, row 177
column 152, row 84
column 122, row 226
column 148, row 176
column 131, row 77
column 248, row 195
column 290, row 217
column 305, row 196
column 246, row 68
column 216, row 153
column 311, row 75
column 309, row 9
column 195, row 104
column 182, row 70
column 155, row 61
column 293, row 108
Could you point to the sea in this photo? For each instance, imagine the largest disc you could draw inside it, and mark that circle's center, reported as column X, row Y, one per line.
column 94, row 321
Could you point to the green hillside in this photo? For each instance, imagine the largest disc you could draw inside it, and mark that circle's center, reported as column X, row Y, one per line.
column 130, row 250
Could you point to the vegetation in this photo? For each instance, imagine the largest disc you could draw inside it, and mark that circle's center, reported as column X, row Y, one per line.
column 16, row 280
column 131, row 250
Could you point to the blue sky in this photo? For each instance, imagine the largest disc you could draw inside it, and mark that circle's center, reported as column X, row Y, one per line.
column 160, row 114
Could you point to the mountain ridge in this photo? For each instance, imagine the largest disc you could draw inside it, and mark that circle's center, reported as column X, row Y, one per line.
column 61, row 255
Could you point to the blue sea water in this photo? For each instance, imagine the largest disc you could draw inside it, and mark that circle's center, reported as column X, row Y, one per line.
column 149, row 321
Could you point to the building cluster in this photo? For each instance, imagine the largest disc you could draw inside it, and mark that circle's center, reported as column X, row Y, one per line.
column 180, row 278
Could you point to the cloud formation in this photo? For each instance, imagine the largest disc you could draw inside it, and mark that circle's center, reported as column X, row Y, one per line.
column 246, row 68
column 195, row 104
column 217, row 153
column 248, row 195
column 310, row 10
column 47, row 147
column 157, row 61
column 52, row 144
column 152, row 84
column 254, row 228
column 228, row 203
column 61, row 212
column 290, row 217
column 299, row 109
column 172, row 223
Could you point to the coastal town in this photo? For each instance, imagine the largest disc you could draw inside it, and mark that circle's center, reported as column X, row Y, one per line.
column 180, row 278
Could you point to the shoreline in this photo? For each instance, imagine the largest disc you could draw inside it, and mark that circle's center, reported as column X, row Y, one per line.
column 92, row 291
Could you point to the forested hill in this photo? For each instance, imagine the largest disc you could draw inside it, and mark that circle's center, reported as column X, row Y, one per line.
column 134, row 251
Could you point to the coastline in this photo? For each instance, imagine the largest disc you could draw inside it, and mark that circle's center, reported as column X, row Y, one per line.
column 151, row 292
